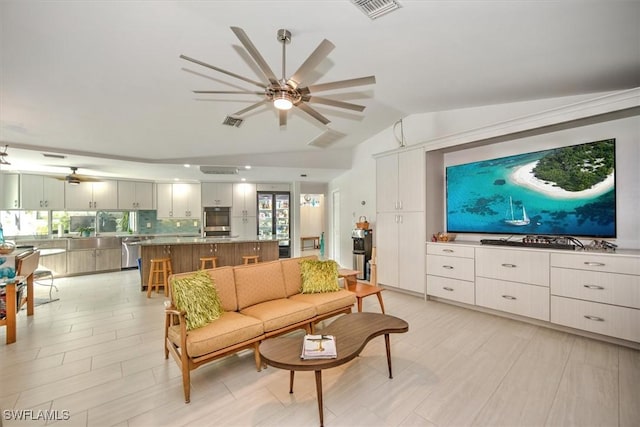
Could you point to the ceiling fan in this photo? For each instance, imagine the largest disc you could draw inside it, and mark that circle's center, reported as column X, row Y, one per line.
column 3, row 155
column 286, row 93
column 74, row 178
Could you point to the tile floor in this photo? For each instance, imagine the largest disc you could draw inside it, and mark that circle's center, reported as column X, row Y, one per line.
column 96, row 355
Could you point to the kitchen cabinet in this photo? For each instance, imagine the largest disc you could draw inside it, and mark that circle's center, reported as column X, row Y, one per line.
column 10, row 191
column 179, row 200
column 244, row 200
column 244, row 227
column 91, row 195
column 400, row 221
column 93, row 260
column 217, row 194
column 39, row 192
column 135, row 195
column 244, row 222
column 224, row 251
column 265, row 252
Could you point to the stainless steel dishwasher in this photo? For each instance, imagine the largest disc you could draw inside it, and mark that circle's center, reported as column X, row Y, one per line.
column 131, row 250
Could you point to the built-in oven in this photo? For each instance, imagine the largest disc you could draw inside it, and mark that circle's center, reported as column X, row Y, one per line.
column 216, row 222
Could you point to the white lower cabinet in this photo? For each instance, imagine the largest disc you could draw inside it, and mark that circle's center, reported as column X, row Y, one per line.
column 592, row 292
column 511, row 297
column 605, row 319
column 451, row 273
column 597, row 293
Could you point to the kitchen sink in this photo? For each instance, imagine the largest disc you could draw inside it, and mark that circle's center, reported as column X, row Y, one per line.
column 78, row 243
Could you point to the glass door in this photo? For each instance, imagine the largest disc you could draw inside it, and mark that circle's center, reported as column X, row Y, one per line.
column 265, row 216
column 282, row 218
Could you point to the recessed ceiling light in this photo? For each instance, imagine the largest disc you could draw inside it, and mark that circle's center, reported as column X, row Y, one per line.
column 187, row 165
column 247, row 167
column 243, row 179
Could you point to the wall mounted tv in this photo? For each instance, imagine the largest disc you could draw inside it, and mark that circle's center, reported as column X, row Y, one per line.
column 567, row 191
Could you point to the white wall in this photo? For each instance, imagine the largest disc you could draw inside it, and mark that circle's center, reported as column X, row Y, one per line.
column 358, row 183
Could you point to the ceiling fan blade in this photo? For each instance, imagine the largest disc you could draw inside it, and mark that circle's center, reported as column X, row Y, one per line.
column 321, row 52
column 336, row 103
column 240, row 92
column 360, row 81
column 220, row 70
column 250, row 107
column 313, row 113
column 282, row 115
column 246, row 42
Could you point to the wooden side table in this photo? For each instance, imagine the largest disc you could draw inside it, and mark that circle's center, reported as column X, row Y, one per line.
column 361, row 289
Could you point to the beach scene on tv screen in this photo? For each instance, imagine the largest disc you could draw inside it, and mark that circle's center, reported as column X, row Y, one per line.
column 568, row 191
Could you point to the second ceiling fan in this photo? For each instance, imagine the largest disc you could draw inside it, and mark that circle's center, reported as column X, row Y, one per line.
column 286, row 93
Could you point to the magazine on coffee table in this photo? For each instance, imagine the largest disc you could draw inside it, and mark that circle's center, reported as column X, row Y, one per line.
column 319, row 347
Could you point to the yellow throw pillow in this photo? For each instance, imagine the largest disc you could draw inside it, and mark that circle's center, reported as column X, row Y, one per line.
column 197, row 296
column 319, row 276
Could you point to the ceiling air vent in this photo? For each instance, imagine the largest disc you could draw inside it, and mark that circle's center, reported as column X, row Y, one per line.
column 54, row 156
column 219, row 170
column 326, row 138
column 232, row 121
column 376, row 8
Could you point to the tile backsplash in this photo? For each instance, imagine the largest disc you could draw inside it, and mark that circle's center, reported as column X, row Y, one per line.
column 166, row 226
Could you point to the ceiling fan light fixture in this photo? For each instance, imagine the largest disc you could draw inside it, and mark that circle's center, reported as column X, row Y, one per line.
column 283, row 101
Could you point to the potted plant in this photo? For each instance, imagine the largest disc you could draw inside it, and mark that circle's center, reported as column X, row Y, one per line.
column 85, row 231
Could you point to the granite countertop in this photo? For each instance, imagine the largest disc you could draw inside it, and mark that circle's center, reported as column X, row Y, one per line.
column 200, row 240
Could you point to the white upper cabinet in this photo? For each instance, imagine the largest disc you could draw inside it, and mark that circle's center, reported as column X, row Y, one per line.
column 400, row 181
column 244, row 200
column 91, row 195
column 217, row 194
column 179, row 200
column 39, row 192
column 10, row 191
column 135, row 195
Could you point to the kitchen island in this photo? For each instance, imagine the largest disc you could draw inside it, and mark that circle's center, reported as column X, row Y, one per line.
column 185, row 252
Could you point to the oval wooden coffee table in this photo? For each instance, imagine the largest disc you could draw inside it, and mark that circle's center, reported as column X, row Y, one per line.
column 351, row 331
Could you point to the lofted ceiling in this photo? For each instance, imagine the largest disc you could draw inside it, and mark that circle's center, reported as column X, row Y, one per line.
column 101, row 82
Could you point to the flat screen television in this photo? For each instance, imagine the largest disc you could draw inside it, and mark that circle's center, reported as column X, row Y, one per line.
column 566, row 191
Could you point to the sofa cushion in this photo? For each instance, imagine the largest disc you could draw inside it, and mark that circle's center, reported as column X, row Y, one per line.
column 319, row 276
column 226, row 287
column 256, row 283
column 292, row 276
column 328, row 301
column 280, row 313
column 196, row 295
column 230, row 329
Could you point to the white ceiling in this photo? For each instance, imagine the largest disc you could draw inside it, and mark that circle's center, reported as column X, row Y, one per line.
column 102, row 81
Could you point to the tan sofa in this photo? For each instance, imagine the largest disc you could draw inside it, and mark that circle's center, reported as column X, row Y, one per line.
column 259, row 301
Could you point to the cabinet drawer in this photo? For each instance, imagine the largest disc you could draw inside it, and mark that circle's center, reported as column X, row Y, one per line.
column 517, row 298
column 611, row 320
column 610, row 288
column 513, row 265
column 453, row 289
column 597, row 262
column 451, row 250
column 449, row 266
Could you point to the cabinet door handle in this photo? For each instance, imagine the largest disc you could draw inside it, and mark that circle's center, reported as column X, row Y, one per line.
column 448, row 267
column 509, row 297
column 594, row 318
column 448, row 250
column 509, row 265
column 446, row 288
column 594, row 264
column 594, row 287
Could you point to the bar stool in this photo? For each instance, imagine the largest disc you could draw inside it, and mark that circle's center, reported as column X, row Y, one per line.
column 248, row 258
column 213, row 260
column 45, row 278
column 159, row 274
